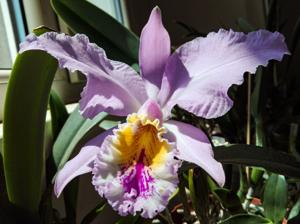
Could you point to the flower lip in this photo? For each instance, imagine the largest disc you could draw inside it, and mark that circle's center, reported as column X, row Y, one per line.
column 140, row 140
column 135, row 169
column 139, row 178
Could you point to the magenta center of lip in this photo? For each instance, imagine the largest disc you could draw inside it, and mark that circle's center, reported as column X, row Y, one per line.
column 138, row 179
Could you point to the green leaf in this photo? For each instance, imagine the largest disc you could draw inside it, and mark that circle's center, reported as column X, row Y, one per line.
column 256, row 175
column 94, row 213
column 293, row 138
column 259, row 94
column 295, row 210
column 198, row 186
column 73, row 132
column 23, row 127
column 59, row 113
column 66, row 135
column 229, row 200
column 250, row 155
column 3, row 192
column 83, row 17
column 45, row 209
column 243, row 185
column 258, row 101
column 76, row 132
column 246, row 219
column 70, row 199
column 184, row 199
column 41, row 30
column 275, row 198
column 63, row 141
column 244, row 25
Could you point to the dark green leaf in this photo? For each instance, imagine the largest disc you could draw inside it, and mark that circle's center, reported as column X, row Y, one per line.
column 246, row 219
column 244, row 25
column 41, row 30
column 74, row 130
column 259, row 95
column 60, row 148
column 275, row 198
column 45, row 209
column 94, row 213
column 258, row 102
column 272, row 15
column 83, row 17
column 199, row 192
column 250, row 155
column 59, row 116
column 243, row 185
column 3, row 192
column 184, row 199
column 23, row 127
column 256, row 175
column 67, row 134
column 229, row 200
column 59, row 113
column 293, row 140
column 70, row 198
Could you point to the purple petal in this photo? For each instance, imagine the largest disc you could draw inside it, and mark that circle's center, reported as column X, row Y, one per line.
column 175, row 77
column 216, row 62
column 154, row 51
column 194, row 147
column 112, row 86
column 80, row 164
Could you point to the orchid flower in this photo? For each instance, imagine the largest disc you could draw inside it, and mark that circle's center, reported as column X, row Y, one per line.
column 135, row 164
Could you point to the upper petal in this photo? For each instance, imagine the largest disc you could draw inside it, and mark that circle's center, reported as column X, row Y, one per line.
column 194, row 146
column 154, row 51
column 112, row 86
column 216, row 62
column 80, row 164
column 175, row 77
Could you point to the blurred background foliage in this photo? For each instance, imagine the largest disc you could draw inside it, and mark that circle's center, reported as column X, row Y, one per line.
column 257, row 141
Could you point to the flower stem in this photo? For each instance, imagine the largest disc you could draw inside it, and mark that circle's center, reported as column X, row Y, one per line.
column 168, row 216
column 183, row 198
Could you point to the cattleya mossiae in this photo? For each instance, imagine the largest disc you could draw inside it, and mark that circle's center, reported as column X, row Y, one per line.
column 135, row 165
